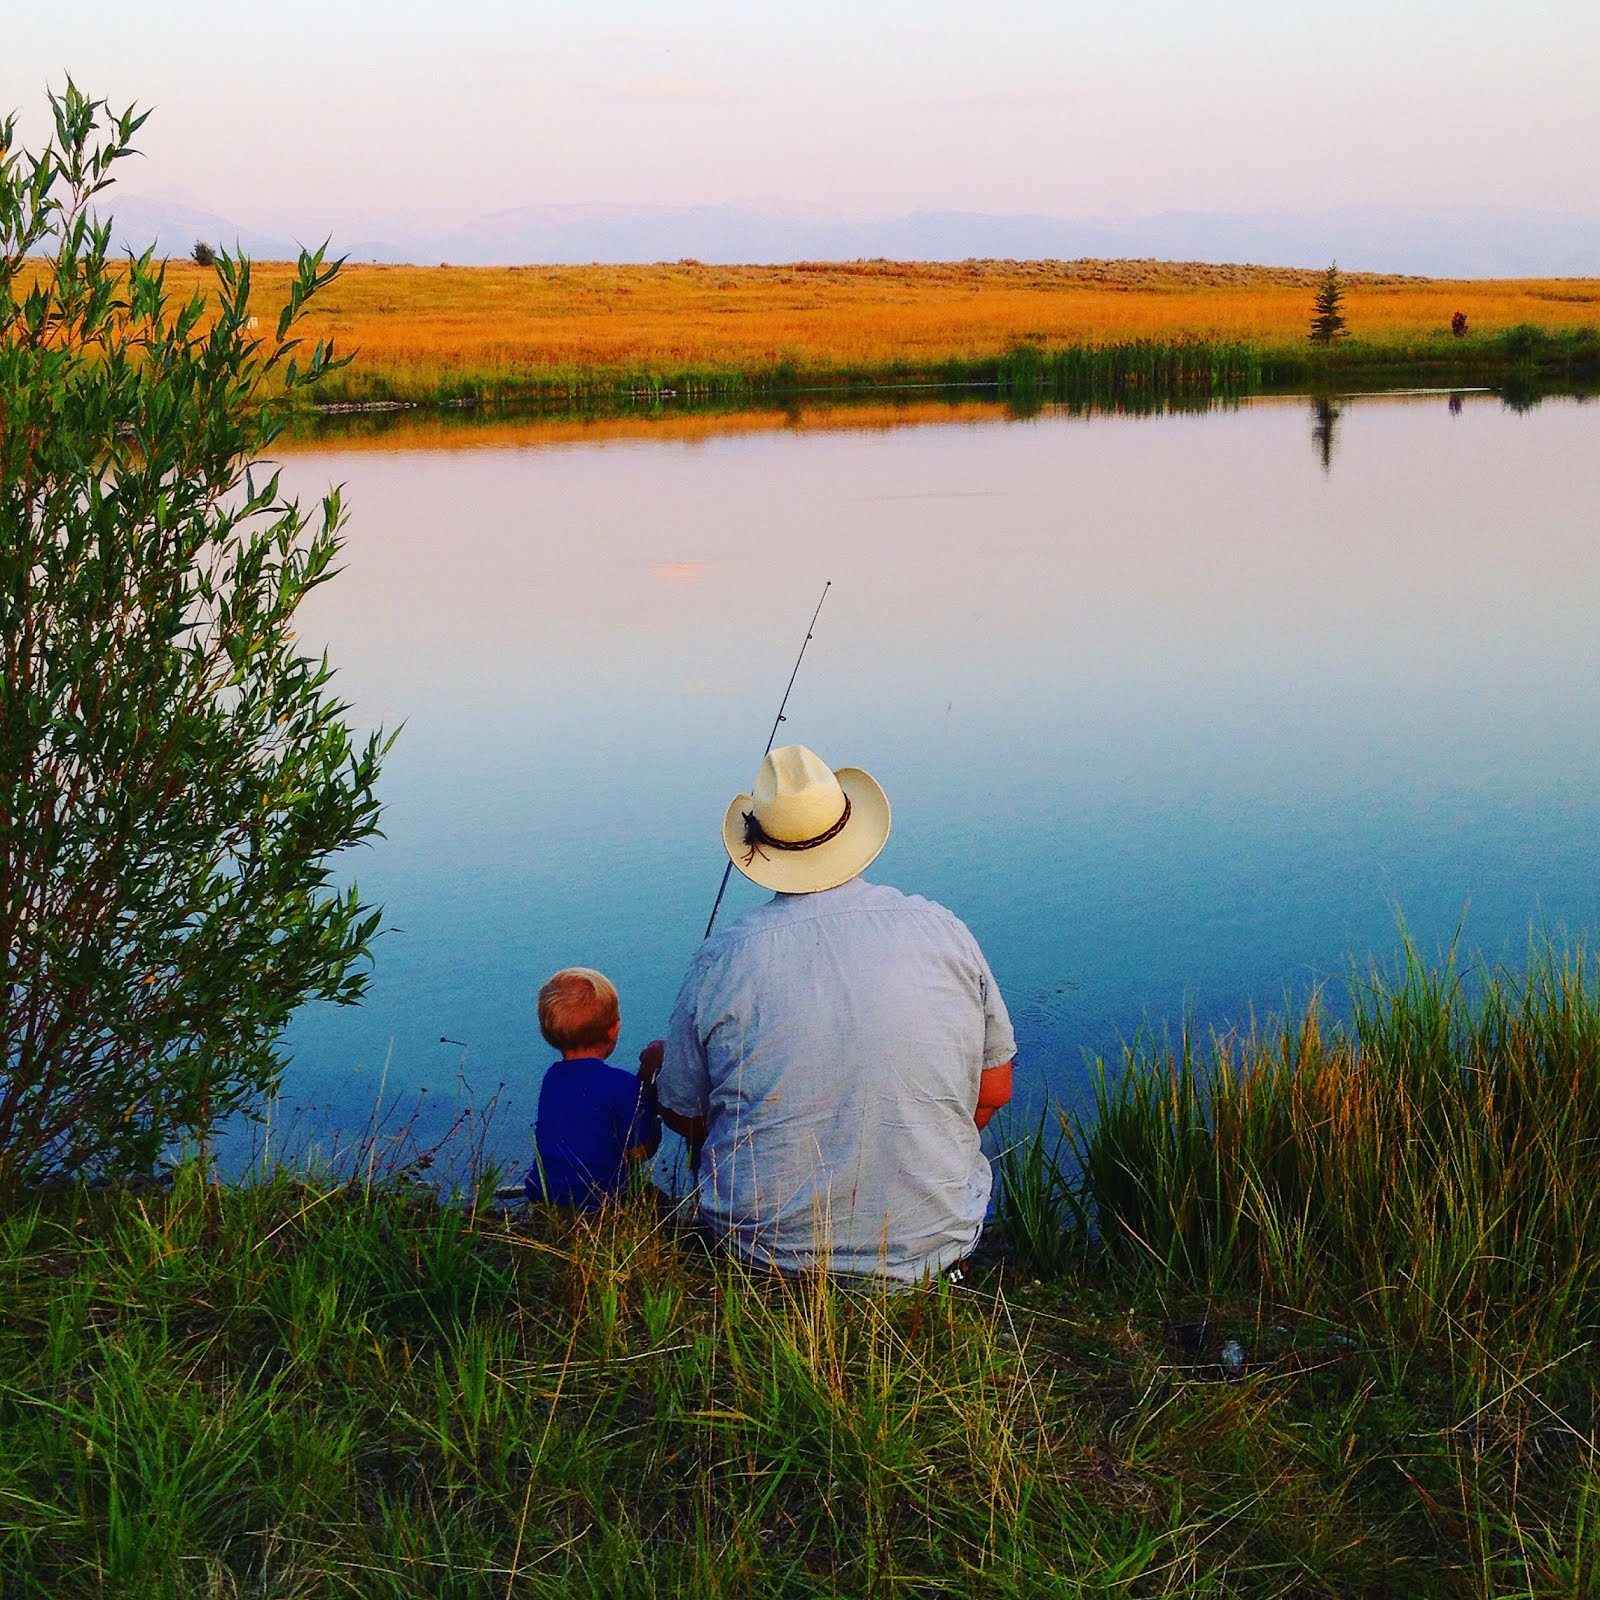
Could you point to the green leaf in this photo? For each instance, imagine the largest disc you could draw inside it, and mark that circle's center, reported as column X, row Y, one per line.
column 175, row 778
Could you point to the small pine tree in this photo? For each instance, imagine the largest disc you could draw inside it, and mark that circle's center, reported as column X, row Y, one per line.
column 1327, row 322
column 203, row 255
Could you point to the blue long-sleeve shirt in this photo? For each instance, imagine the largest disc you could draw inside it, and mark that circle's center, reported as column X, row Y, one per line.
column 590, row 1115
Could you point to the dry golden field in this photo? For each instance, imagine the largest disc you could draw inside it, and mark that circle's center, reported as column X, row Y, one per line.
column 420, row 332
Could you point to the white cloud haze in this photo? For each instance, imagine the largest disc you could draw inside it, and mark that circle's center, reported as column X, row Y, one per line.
column 354, row 109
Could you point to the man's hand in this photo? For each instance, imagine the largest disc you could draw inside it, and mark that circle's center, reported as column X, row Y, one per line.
column 650, row 1060
column 994, row 1091
column 691, row 1128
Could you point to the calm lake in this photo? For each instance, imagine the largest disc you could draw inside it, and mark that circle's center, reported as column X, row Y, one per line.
column 1182, row 714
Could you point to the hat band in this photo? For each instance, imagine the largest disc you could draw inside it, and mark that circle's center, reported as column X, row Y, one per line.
column 756, row 836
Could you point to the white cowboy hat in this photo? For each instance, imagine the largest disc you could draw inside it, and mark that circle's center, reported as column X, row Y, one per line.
column 805, row 827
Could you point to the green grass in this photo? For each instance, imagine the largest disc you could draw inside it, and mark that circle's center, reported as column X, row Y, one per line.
column 301, row 1387
column 1143, row 374
column 1435, row 1167
column 1153, row 374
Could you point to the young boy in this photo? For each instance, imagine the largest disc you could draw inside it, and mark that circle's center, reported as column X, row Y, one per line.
column 595, row 1120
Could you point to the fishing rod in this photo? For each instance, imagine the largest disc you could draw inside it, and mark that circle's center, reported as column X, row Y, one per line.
column 727, row 871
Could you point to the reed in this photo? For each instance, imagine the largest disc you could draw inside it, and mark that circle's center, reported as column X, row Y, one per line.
column 1435, row 1167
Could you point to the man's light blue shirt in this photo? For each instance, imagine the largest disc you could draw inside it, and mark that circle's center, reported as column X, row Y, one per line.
column 834, row 1042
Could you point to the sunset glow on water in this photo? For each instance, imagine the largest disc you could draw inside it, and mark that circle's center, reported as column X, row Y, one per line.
column 1178, row 720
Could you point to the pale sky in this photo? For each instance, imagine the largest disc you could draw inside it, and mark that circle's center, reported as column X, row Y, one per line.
column 341, row 109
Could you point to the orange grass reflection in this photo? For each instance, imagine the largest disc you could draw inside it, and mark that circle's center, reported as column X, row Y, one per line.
column 434, row 430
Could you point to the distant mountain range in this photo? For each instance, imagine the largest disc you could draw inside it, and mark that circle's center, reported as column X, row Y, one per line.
column 1471, row 243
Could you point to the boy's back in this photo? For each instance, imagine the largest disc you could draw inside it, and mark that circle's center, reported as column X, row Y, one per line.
column 590, row 1116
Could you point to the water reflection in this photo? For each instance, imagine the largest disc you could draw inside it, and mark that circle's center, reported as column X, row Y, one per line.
column 879, row 407
column 1173, row 720
column 1324, row 417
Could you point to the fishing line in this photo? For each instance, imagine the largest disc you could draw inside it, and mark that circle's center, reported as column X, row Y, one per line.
column 727, row 871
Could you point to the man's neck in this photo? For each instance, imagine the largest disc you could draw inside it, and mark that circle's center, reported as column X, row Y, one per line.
column 849, row 883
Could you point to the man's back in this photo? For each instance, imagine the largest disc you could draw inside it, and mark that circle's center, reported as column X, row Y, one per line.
column 835, row 1042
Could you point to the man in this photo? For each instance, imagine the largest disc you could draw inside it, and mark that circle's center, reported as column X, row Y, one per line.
column 837, row 1051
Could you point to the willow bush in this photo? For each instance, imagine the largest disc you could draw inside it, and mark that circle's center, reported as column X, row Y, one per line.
column 175, row 774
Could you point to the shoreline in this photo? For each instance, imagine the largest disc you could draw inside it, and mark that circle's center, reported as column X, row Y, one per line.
column 1142, row 374
column 466, row 423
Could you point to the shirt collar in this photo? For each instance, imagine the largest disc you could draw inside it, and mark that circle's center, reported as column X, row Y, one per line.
column 847, row 890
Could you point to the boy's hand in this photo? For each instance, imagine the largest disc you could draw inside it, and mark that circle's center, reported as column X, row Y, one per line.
column 650, row 1060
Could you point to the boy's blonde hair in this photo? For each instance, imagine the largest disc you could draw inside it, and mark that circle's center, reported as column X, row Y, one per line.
column 578, row 1007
